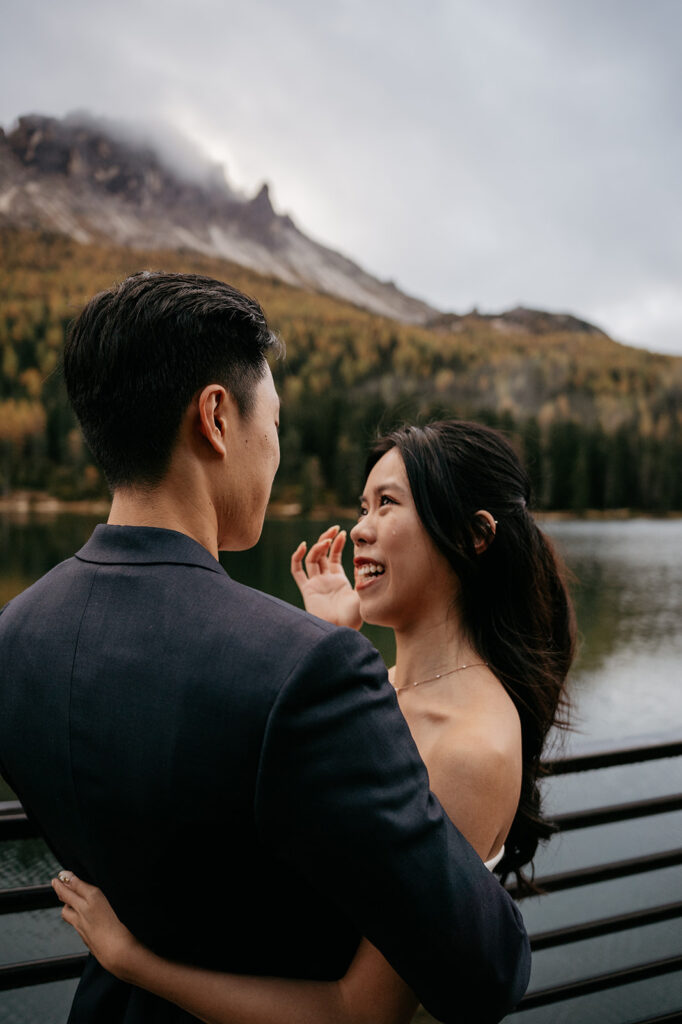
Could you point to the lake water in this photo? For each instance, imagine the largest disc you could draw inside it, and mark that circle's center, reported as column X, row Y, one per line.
column 627, row 682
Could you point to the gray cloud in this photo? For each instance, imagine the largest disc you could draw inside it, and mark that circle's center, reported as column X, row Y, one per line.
column 489, row 154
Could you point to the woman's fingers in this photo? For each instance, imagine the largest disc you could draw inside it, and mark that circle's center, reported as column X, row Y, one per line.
column 76, row 884
column 316, row 561
column 327, row 547
column 71, row 890
column 64, row 893
column 297, row 570
column 336, row 548
column 69, row 915
column 325, row 539
column 74, row 918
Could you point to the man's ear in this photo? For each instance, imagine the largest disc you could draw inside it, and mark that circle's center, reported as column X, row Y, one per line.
column 214, row 408
column 485, row 528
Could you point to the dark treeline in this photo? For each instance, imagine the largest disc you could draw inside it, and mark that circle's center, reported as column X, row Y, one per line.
column 572, row 467
column 598, row 424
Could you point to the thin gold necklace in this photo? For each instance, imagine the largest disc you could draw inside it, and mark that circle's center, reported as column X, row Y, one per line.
column 432, row 679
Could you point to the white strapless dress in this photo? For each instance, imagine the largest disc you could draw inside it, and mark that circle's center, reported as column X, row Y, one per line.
column 494, row 861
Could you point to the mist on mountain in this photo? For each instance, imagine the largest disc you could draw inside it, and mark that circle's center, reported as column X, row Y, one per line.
column 98, row 181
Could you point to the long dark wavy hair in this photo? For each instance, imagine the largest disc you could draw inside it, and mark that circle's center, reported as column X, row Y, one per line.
column 513, row 599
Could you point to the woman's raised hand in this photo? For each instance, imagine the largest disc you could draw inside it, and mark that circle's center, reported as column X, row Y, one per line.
column 324, row 586
column 88, row 910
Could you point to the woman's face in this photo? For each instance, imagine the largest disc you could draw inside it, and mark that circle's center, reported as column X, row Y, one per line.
column 401, row 577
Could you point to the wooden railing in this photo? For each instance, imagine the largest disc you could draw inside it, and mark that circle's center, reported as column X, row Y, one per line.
column 590, row 759
column 14, row 825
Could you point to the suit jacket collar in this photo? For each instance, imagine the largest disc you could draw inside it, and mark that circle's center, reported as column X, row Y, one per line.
column 140, row 545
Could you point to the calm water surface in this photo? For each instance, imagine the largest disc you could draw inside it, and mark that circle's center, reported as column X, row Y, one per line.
column 627, row 682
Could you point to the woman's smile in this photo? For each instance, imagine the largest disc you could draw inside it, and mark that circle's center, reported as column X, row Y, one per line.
column 367, row 572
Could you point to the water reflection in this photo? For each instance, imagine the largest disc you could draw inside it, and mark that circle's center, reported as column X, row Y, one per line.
column 628, row 595
column 629, row 580
column 30, row 546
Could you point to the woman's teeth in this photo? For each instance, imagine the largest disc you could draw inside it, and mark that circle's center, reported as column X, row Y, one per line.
column 370, row 569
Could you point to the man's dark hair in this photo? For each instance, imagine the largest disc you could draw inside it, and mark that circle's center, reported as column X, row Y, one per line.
column 137, row 355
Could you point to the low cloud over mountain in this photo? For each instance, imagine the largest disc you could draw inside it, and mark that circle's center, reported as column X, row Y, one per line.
column 95, row 181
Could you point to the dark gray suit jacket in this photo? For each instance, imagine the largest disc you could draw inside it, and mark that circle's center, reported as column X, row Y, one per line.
column 237, row 777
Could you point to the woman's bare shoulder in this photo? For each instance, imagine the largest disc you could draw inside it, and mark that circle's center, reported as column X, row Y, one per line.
column 485, row 721
column 482, row 748
column 475, row 769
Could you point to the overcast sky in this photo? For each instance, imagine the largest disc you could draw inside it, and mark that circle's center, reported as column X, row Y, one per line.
column 483, row 153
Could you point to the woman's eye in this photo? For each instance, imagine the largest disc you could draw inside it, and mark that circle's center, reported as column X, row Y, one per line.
column 385, row 500
column 362, row 512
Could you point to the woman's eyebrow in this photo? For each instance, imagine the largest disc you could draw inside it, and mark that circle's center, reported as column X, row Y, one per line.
column 386, row 485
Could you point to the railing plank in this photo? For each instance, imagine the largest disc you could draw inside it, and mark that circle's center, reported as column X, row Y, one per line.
column 605, row 872
column 39, row 972
column 599, row 983
column 605, row 754
column 27, row 897
column 572, row 820
column 605, row 926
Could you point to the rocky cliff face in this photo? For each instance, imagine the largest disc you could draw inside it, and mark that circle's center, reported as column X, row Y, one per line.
column 81, row 178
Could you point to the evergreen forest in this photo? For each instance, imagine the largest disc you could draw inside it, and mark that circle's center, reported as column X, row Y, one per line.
column 598, row 424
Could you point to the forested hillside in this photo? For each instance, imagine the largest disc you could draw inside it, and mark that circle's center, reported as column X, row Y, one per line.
column 599, row 424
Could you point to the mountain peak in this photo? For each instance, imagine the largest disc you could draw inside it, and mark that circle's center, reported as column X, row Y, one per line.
column 260, row 207
column 263, row 196
column 97, row 180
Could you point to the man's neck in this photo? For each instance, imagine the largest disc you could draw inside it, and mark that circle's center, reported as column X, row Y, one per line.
column 169, row 508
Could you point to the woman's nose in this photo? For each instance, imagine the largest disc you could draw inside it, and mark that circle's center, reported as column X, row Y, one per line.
column 362, row 532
